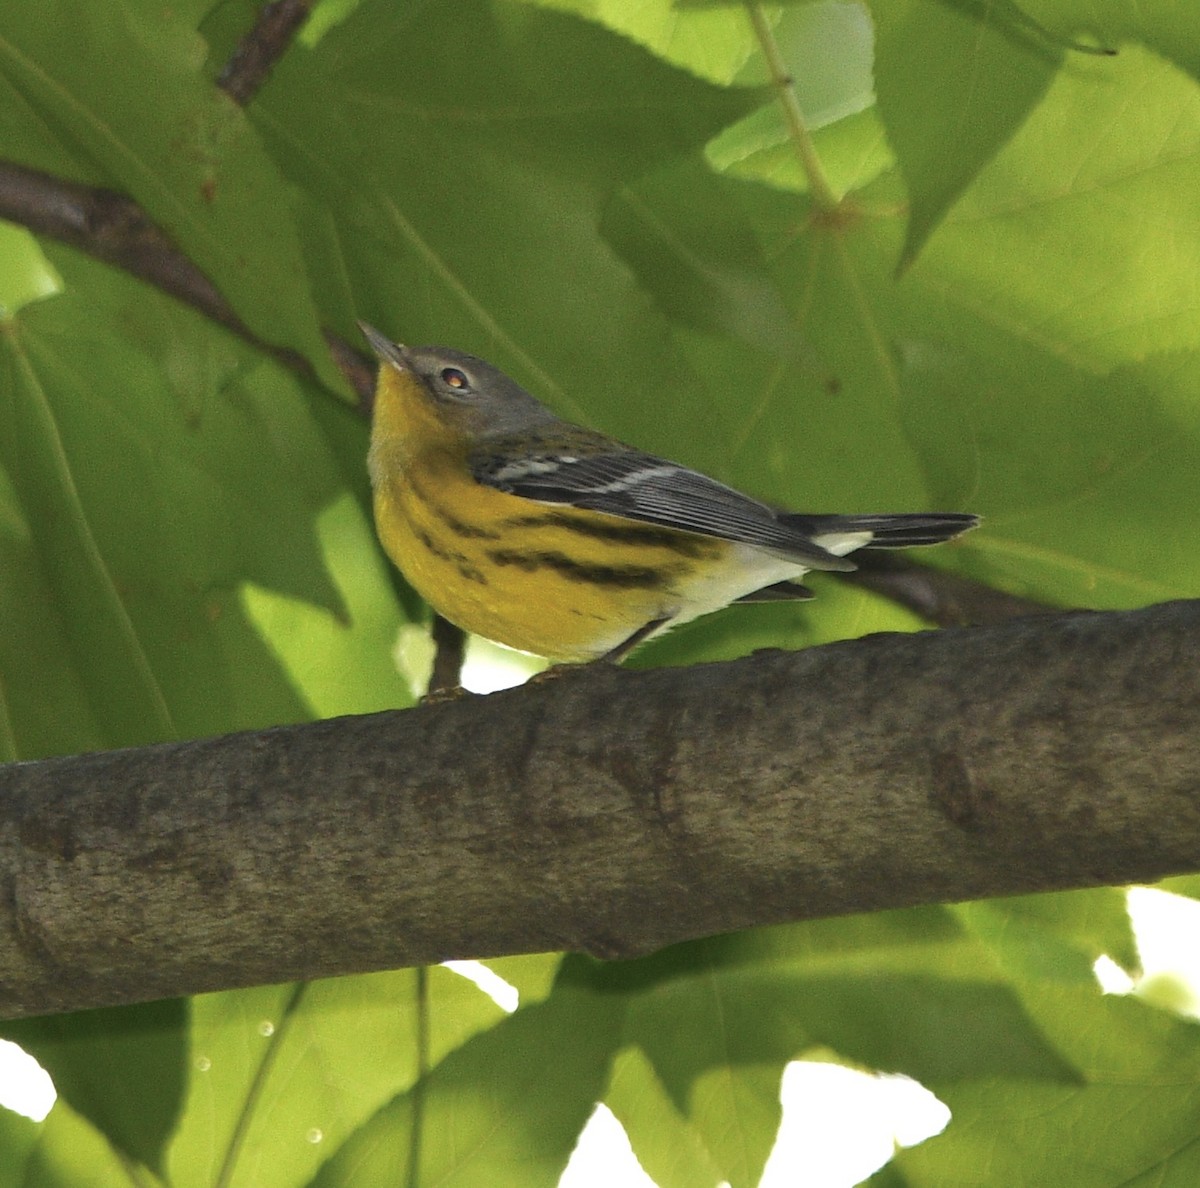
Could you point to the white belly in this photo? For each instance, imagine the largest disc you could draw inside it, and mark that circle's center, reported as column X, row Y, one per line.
column 749, row 569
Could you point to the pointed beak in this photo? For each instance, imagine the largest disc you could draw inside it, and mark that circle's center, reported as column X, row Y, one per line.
column 384, row 348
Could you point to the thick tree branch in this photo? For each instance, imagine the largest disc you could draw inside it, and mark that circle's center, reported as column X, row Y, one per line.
column 611, row 811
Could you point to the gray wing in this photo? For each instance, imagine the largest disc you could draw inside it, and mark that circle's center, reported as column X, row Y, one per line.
column 653, row 491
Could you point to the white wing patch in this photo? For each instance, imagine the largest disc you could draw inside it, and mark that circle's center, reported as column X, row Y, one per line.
column 528, row 467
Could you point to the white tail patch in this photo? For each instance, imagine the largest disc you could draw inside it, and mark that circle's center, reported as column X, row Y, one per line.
column 841, row 543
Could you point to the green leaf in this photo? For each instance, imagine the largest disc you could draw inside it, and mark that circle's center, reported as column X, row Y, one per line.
column 853, row 152
column 196, row 167
column 1016, row 23
column 66, row 1152
column 797, row 431
column 19, row 1137
column 713, row 44
column 121, row 1069
column 938, row 374
column 902, row 992
column 1132, row 1121
column 667, row 1145
column 339, row 659
column 532, row 974
column 682, row 230
column 504, row 1109
column 64, row 548
column 827, row 47
column 456, row 223
column 1188, row 885
column 929, row 1011
column 25, row 274
column 946, row 76
column 1051, row 938
column 1080, row 472
column 155, row 468
column 281, row 1075
column 1169, row 28
column 1083, row 218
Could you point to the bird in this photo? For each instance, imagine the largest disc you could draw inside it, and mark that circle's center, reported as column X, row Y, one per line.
column 561, row 541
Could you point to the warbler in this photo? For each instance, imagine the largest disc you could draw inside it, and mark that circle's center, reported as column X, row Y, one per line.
column 562, row 541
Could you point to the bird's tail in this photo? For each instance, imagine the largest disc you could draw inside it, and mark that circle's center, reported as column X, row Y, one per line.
column 898, row 531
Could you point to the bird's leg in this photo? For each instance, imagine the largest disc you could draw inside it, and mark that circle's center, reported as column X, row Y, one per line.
column 617, row 654
column 612, row 656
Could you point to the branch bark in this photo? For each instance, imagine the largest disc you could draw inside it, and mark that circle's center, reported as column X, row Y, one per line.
column 113, row 228
column 938, row 596
column 249, row 66
column 610, row 811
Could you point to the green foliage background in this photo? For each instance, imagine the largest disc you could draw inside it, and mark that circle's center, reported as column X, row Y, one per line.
column 602, row 197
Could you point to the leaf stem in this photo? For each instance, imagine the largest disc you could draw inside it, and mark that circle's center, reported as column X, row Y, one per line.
column 413, row 1178
column 818, row 184
column 257, row 1085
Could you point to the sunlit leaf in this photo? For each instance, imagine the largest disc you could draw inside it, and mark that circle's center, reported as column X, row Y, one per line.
column 504, row 1109
column 279, row 1076
column 119, row 1069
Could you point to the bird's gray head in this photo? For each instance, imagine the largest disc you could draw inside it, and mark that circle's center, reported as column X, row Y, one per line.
column 466, row 390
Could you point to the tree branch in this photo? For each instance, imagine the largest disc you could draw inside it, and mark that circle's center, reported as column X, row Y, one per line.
column 113, row 228
column 938, row 596
column 610, row 811
column 251, row 62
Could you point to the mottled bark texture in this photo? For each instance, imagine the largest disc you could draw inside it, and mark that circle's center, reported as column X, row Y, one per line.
column 610, row 811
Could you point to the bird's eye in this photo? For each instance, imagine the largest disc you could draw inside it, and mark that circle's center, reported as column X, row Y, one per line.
column 455, row 379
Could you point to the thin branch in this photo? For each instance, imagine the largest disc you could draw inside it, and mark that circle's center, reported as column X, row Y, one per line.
column 257, row 52
column 610, row 811
column 942, row 598
column 357, row 368
column 113, row 228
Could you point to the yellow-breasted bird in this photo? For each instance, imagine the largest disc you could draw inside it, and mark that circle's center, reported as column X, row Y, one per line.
column 562, row 541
